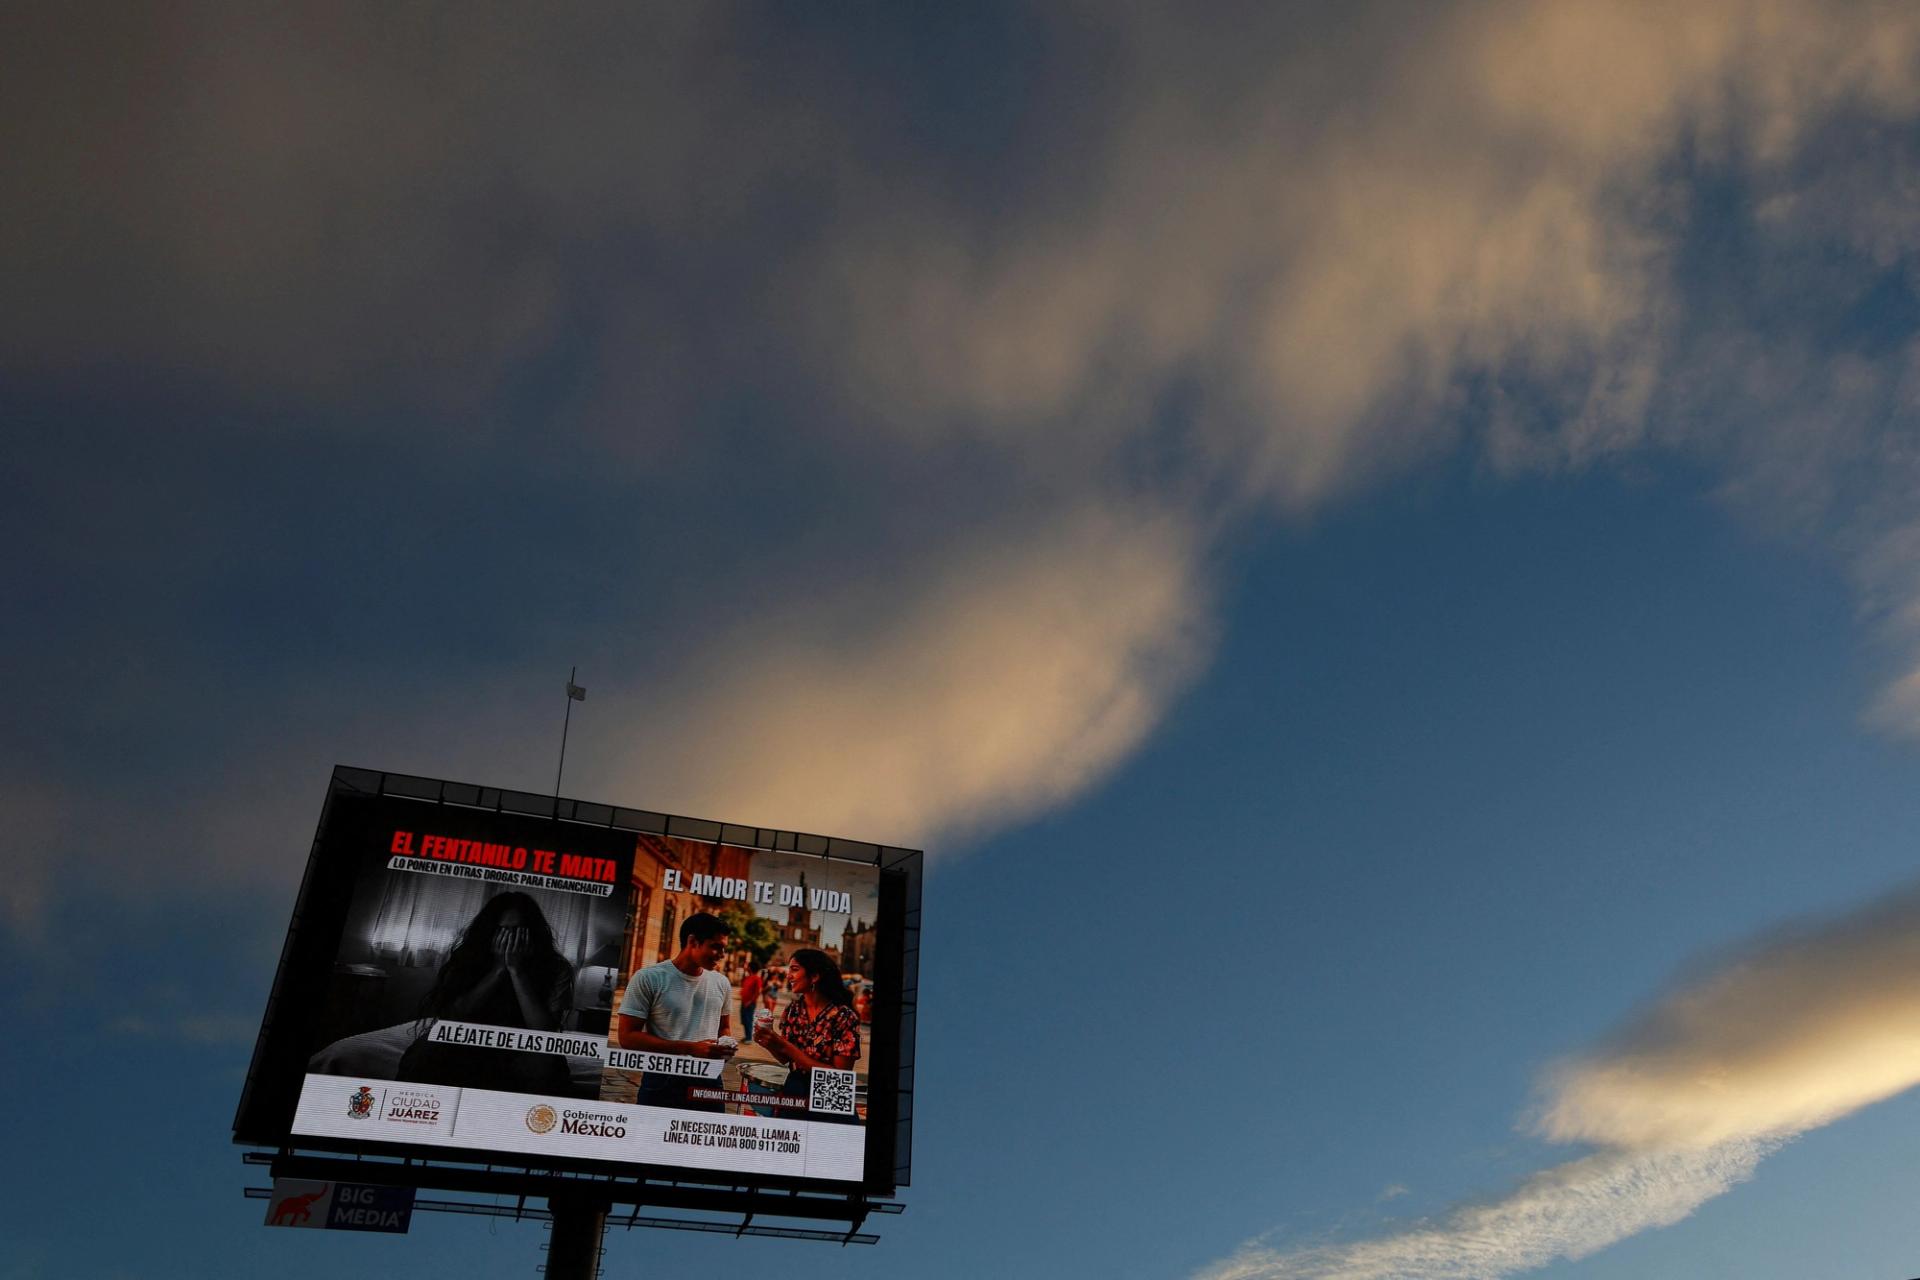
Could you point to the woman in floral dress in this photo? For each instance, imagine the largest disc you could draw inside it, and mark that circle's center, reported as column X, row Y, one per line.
column 818, row 1030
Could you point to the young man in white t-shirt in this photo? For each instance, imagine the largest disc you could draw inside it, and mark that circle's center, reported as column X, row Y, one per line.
column 680, row 1006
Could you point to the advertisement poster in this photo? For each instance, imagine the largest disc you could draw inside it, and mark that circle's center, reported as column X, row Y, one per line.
column 504, row 984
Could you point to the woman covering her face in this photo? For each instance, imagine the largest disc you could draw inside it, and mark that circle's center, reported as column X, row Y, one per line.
column 504, row 971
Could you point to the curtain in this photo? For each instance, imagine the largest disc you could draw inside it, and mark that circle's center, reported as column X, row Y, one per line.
column 420, row 917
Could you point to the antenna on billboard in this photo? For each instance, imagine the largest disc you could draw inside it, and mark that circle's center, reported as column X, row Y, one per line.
column 574, row 694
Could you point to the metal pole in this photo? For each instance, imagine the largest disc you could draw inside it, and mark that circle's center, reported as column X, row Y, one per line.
column 573, row 1248
column 564, row 725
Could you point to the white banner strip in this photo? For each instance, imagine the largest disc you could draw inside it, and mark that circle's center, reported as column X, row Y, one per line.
column 523, row 1124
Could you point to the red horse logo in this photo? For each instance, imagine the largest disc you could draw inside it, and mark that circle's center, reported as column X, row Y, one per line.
column 294, row 1209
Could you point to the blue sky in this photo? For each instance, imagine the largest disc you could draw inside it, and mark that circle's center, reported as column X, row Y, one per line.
column 1377, row 549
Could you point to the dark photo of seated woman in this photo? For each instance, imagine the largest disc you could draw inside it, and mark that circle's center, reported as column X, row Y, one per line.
column 504, row 971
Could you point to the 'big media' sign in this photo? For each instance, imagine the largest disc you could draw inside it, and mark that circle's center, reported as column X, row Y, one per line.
column 339, row 1206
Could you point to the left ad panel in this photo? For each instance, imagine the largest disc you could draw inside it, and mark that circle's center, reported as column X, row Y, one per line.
column 477, row 950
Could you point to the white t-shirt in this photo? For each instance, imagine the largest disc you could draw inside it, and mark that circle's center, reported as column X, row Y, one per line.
column 675, row 1007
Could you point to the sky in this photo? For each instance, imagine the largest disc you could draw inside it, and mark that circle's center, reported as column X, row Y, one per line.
column 1376, row 546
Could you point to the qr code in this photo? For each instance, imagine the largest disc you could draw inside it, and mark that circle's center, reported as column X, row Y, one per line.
column 832, row 1092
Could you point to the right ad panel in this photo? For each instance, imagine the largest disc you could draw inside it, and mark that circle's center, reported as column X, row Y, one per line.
column 742, row 1010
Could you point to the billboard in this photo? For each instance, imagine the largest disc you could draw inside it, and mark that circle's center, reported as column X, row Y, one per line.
column 590, row 986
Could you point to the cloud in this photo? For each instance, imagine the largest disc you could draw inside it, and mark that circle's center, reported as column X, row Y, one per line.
column 1495, row 191
column 1798, row 1030
column 1567, row 1212
column 1498, row 206
column 1503, row 230
column 1009, row 680
column 1236, row 267
column 1016, row 670
column 353, row 204
column 1803, row 1030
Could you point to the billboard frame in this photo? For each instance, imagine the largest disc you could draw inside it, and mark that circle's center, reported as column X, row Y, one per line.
column 264, row 1116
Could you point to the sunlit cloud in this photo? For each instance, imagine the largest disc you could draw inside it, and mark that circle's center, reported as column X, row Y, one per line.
column 1504, row 225
column 1799, row 1030
column 1803, row 1030
column 1015, row 676
column 1505, row 213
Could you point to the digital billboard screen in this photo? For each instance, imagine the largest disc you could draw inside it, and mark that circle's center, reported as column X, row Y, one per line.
column 564, row 989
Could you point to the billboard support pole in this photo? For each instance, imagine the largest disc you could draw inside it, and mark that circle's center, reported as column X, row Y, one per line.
column 579, row 1226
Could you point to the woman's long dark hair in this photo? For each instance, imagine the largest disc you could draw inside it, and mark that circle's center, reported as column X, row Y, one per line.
column 825, row 974
column 471, row 958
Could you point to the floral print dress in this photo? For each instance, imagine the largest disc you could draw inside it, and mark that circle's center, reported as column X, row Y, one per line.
column 835, row 1033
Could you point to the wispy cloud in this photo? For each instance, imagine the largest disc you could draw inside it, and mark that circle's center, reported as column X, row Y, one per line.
column 1802, row 1028
column 1567, row 1212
